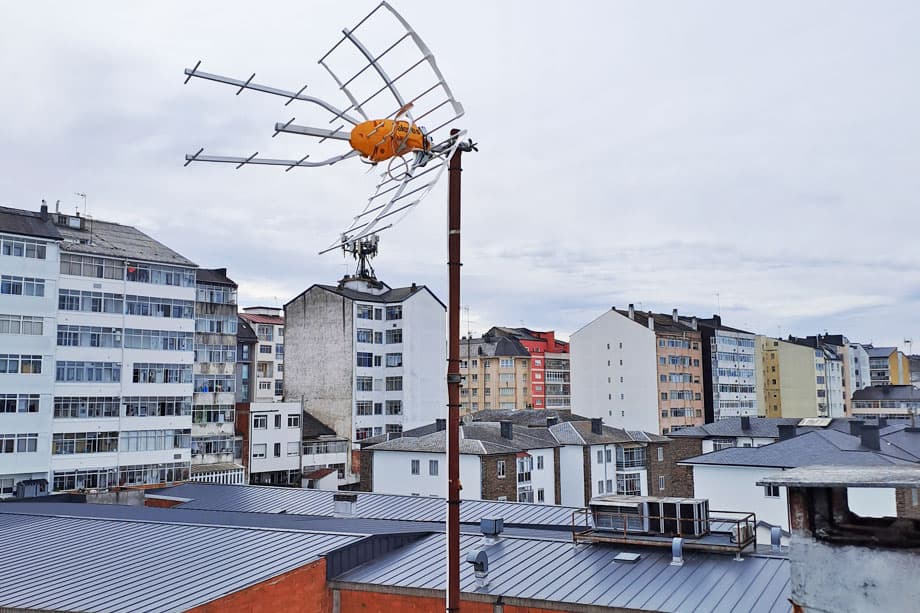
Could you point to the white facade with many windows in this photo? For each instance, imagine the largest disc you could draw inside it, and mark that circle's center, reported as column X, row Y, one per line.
column 108, row 352
column 274, row 442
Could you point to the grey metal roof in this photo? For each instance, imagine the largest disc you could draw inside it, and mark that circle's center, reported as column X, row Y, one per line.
column 579, row 433
column 216, row 276
column 847, row 476
column 112, row 565
column 888, row 392
column 552, row 572
column 525, row 417
column 392, row 295
column 761, row 427
column 282, row 521
column 261, row 499
column 27, row 223
column 825, row 447
column 879, row 352
column 115, row 240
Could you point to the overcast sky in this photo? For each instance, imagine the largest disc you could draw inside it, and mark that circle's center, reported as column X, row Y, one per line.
column 646, row 152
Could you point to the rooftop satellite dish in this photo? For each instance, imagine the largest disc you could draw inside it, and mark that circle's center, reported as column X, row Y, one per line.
column 398, row 112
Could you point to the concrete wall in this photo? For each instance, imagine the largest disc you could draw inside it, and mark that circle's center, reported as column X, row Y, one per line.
column 544, row 478
column 734, row 488
column 614, row 373
column 572, row 476
column 424, row 371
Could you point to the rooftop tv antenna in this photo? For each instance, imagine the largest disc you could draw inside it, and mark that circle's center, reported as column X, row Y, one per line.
column 396, row 112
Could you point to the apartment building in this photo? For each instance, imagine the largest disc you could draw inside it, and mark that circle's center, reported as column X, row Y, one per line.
column 275, row 440
column 888, row 366
column 550, row 380
column 887, row 401
column 496, row 374
column 268, row 324
column 641, row 370
column 730, row 371
column 99, row 363
column 367, row 359
column 216, row 448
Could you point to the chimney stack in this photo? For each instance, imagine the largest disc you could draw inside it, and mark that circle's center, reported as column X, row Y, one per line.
column 440, row 424
column 507, row 429
column 786, row 431
column 597, row 425
column 882, row 422
column 651, row 321
column 745, row 422
column 694, row 323
column 855, row 426
column 869, row 437
column 674, row 315
column 44, row 211
column 551, row 421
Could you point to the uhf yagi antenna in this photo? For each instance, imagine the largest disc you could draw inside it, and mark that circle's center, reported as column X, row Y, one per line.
column 397, row 111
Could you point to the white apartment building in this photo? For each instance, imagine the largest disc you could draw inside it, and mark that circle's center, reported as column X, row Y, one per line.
column 614, row 372
column 268, row 324
column 858, row 368
column 367, row 359
column 216, row 448
column 112, row 367
column 275, row 437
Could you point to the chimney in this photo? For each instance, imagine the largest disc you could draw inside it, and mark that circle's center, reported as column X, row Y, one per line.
column 694, row 323
column 776, row 539
column 632, row 311
column 344, row 505
column 717, row 320
column 855, row 426
column 674, row 315
column 786, row 431
column 440, row 424
column 507, row 429
column 677, row 551
column 597, row 425
column 869, row 437
column 745, row 422
column 491, row 528
column 651, row 321
column 551, row 421
column 882, row 422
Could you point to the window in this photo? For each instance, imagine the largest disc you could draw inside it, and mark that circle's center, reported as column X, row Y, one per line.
column 19, row 443
column 279, row 387
column 394, row 360
column 364, row 384
column 22, row 364
column 293, row 421
column 433, row 468
column 162, row 440
column 365, row 335
column 154, row 373
column 608, row 455
column 278, row 420
column 660, row 483
column 364, row 311
column 22, row 286
column 414, row 467
column 377, row 360
column 629, row 484
column 21, row 403
column 22, row 324
column 84, row 442
column 265, row 348
column 365, row 360
column 260, row 422
column 506, row 363
column 378, row 408
column 539, row 462
column 144, row 306
column 609, row 485
column 143, row 406
column 541, row 497
column 722, row 443
column 167, row 340
column 771, row 491
column 23, row 248
column 88, row 266
column 277, row 450
column 394, row 384
column 363, row 407
column 600, row 486
column 378, row 338
column 363, row 433
column 500, row 469
column 394, row 407
column 661, row 454
column 215, row 294
column 158, row 274
column 393, row 428
column 600, row 456
column 293, row 448
column 394, row 336
column 216, row 383
column 394, row 312
column 259, row 450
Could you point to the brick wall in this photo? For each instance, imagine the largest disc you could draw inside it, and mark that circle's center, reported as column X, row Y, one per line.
column 377, row 602
column 241, row 425
column 492, row 486
column 586, row 460
column 366, row 462
column 904, row 499
column 160, row 502
column 678, row 480
column 300, row 590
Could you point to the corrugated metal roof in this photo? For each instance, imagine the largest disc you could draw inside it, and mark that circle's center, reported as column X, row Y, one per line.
column 554, row 572
column 260, row 499
column 112, row 565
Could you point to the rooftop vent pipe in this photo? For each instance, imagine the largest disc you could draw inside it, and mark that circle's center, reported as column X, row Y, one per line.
column 480, row 561
column 632, row 311
column 491, row 528
column 344, row 505
column 674, row 315
column 776, row 539
column 677, row 551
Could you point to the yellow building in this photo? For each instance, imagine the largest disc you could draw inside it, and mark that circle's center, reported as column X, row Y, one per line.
column 495, row 374
column 790, row 376
column 888, row 366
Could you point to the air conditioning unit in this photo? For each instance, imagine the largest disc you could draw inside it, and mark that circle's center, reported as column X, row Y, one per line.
column 741, row 532
column 679, row 516
column 619, row 514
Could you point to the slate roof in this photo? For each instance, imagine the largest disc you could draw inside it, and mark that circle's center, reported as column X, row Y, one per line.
column 244, row 332
column 118, row 241
column 825, row 447
column 663, row 323
column 215, row 276
column 880, row 352
column 27, row 223
column 314, row 428
column 579, row 433
column 263, row 499
column 525, row 417
column 412, row 432
column 496, row 346
column 114, row 565
column 888, row 392
column 392, row 295
column 761, row 427
column 542, row 571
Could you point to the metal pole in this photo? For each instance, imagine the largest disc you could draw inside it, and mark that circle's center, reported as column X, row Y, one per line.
column 453, row 383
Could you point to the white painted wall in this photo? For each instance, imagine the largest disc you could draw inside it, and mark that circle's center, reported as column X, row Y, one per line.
column 544, row 479
column 272, row 435
column 424, row 360
column 572, row 475
column 614, row 373
column 393, row 474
